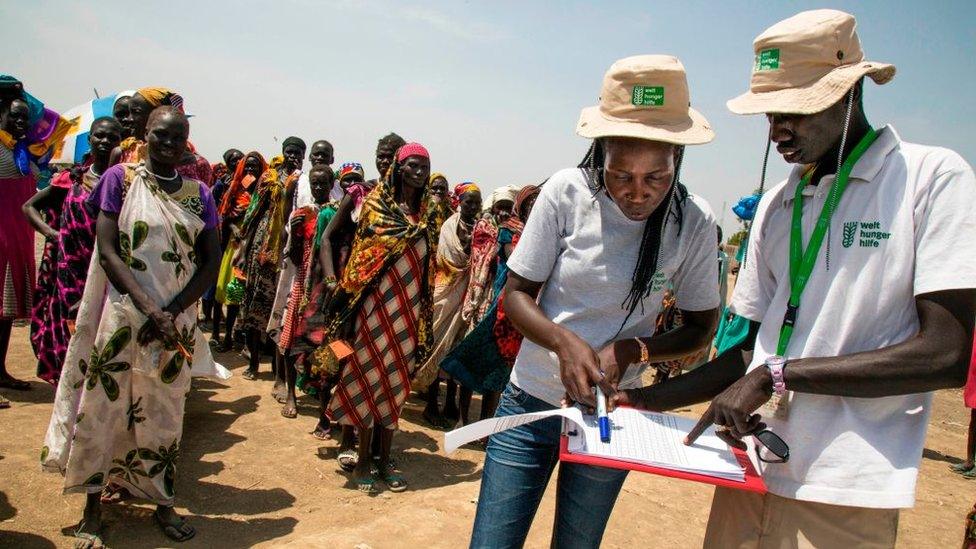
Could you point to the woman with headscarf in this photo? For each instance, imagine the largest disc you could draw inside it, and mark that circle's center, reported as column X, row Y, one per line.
column 233, row 208
column 450, row 283
column 133, row 113
column 382, row 307
column 439, row 188
column 27, row 134
column 482, row 361
column 259, row 257
column 118, row 413
column 68, row 225
column 484, row 255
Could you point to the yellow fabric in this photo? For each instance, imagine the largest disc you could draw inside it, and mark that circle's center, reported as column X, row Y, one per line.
column 226, row 273
column 40, row 148
column 8, row 140
column 154, row 96
column 57, row 136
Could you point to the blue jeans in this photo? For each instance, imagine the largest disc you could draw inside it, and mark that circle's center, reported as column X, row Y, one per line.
column 518, row 464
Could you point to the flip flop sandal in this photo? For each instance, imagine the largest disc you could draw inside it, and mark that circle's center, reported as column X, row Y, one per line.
column 394, row 481
column 4, row 403
column 347, row 460
column 960, row 468
column 322, row 433
column 249, row 375
column 366, row 485
column 970, row 474
column 93, row 540
column 289, row 413
column 179, row 533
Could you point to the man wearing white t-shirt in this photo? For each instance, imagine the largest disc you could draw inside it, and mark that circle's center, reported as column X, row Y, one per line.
column 859, row 285
column 321, row 153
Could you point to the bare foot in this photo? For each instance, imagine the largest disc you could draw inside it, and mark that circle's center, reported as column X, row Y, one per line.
column 279, row 391
column 435, row 419
column 452, row 413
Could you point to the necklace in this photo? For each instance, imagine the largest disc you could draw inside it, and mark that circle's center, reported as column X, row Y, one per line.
column 465, row 224
column 157, row 176
column 91, row 170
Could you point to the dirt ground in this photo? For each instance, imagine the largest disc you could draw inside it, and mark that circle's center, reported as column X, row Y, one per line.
column 249, row 477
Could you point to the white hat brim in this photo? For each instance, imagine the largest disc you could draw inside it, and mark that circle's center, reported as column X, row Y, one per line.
column 815, row 97
column 693, row 130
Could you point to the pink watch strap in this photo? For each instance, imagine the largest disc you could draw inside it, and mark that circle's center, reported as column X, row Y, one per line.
column 776, row 365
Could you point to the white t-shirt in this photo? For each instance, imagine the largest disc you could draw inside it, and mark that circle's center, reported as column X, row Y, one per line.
column 905, row 226
column 303, row 194
column 582, row 246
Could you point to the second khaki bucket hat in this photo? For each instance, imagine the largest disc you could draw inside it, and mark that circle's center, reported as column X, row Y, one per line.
column 645, row 96
column 807, row 63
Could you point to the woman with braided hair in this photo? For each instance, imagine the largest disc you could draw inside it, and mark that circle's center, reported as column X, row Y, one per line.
column 603, row 242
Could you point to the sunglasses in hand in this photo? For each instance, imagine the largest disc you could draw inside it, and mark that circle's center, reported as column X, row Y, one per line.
column 774, row 445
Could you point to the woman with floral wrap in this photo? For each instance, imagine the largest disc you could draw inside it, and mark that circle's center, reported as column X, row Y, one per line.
column 118, row 413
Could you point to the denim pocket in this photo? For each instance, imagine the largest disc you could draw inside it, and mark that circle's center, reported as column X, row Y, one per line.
column 512, row 397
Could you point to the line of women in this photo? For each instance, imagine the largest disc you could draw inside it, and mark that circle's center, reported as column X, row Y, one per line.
column 312, row 263
column 364, row 290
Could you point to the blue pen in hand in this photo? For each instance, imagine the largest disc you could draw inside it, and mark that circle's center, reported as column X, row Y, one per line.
column 601, row 415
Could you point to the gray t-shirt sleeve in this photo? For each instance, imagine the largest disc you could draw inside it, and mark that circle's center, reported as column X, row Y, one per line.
column 541, row 240
column 696, row 280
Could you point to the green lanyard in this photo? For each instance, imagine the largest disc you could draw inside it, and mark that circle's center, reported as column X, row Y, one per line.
column 802, row 261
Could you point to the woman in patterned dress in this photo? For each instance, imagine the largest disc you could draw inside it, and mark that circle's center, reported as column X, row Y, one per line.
column 118, row 413
column 259, row 256
column 69, row 228
column 382, row 307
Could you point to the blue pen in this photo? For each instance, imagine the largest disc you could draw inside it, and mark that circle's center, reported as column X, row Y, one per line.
column 601, row 415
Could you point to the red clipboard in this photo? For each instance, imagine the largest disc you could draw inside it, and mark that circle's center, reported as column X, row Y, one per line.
column 753, row 482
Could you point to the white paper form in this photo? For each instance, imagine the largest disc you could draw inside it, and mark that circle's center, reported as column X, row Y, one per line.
column 459, row 437
column 657, row 439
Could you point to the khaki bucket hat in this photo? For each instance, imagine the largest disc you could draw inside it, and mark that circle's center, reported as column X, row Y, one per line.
column 645, row 96
column 807, row 63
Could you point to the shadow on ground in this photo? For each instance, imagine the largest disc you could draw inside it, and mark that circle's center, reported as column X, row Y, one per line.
column 936, row 455
column 18, row 539
column 130, row 526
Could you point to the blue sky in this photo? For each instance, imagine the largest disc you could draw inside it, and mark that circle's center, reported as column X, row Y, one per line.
column 493, row 89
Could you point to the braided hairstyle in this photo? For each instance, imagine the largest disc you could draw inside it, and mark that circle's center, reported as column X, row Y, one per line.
column 647, row 256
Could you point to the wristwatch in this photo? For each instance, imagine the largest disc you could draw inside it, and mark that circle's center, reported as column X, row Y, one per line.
column 776, row 365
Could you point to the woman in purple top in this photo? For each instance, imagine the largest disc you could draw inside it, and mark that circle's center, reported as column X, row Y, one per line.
column 118, row 413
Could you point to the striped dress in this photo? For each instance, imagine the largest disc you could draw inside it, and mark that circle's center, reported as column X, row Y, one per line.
column 16, row 240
